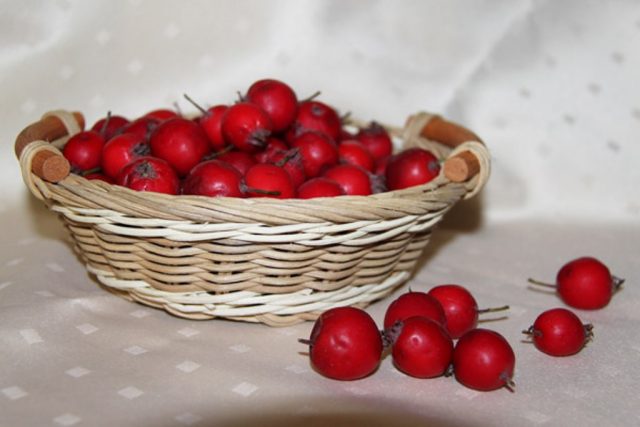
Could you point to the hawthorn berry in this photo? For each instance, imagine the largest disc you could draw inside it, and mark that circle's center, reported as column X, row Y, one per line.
column 277, row 99
column 414, row 303
column 559, row 332
column 585, row 283
column 150, row 174
column 345, row 344
column 420, row 347
column 181, row 142
column 246, row 126
column 411, row 167
column 484, row 360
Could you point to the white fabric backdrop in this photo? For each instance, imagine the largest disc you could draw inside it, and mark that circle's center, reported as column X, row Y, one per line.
column 551, row 86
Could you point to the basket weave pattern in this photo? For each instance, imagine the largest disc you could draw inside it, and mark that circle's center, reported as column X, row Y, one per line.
column 261, row 260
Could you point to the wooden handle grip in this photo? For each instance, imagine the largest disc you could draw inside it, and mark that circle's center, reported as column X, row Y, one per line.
column 463, row 166
column 47, row 165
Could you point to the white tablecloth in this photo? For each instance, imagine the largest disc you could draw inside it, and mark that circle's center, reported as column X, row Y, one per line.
column 550, row 86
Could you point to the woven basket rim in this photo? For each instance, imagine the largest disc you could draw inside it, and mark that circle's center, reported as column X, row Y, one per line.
column 75, row 191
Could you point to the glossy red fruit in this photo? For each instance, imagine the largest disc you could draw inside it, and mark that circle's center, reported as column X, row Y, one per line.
column 150, row 174
column 319, row 187
column 213, row 178
column 353, row 180
column 559, row 332
column 84, row 151
column 110, row 126
column 240, row 160
column 142, row 127
column 100, row 177
column 381, row 166
column 246, row 126
column 291, row 161
column 585, row 283
column 352, row 152
column 420, row 347
column 460, row 308
column 120, row 151
column 484, row 360
column 345, row 344
column 376, row 139
column 318, row 152
column 411, row 167
column 273, row 149
column 181, row 142
column 411, row 304
column 267, row 180
column 277, row 99
column 319, row 117
column 162, row 114
column 211, row 123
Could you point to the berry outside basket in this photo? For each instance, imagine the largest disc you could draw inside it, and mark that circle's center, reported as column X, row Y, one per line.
column 265, row 260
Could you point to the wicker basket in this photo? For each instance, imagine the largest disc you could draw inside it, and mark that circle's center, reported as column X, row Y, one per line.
column 265, row 260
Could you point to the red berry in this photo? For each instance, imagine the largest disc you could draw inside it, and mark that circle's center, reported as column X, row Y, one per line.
column 213, row 178
column 318, row 152
column 267, row 180
column 353, row 180
column 120, row 151
column 319, row 187
column 150, row 174
column 559, row 332
column 100, row 177
column 162, row 114
column 84, row 151
column 381, row 166
column 352, row 152
column 240, row 160
column 460, row 308
column 277, row 99
column 484, row 360
column 273, row 148
column 585, row 283
column 110, row 126
column 211, row 123
column 376, row 139
column 420, row 347
column 414, row 304
column 180, row 142
column 411, row 167
column 319, row 117
column 246, row 126
column 143, row 127
column 345, row 344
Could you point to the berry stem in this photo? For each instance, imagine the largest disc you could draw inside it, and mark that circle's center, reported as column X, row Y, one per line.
column 292, row 154
column 312, row 97
column 103, row 129
column 493, row 309
column 617, row 283
column 304, row 341
column 195, row 104
column 539, row 283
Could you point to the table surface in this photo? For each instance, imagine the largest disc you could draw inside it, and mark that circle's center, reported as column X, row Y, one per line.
column 79, row 354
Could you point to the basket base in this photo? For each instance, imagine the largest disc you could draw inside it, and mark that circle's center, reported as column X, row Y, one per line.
column 274, row 309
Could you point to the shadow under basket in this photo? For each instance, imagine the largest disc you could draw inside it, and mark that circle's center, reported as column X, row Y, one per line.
column 265, row 260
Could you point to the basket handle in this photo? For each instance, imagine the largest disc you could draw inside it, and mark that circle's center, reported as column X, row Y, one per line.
column 462, row 166
column 46, row 164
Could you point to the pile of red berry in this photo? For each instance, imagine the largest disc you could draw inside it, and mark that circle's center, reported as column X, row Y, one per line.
column 268, row 144
column 420, row 330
